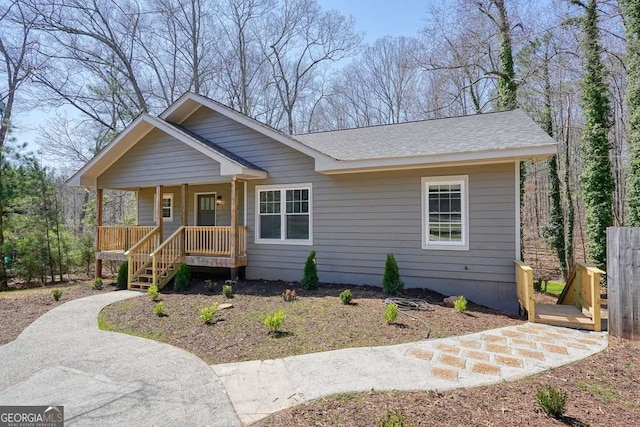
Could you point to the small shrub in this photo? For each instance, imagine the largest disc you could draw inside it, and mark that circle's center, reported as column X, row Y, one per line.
column 123, row 276
column 460, row 304
column 97, row 284
column 153, row 293
column 552, row 400
column 310, row 279
column 56, row 294
column 391, row 283
column 390, row 313
column 158, row 310
column 393, row 419
column 210, row 285
column 181, row 281
column 289, row 295
column 346, row 296
column 227, row 291
column 274, row 321
column 537, row 285
column 207, row 314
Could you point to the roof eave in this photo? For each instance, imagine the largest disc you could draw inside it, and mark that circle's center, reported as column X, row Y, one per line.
column 190, row 102
column 539, row 152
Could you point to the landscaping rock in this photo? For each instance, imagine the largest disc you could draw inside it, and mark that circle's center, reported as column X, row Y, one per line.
column 448, row 301
column 225, row 306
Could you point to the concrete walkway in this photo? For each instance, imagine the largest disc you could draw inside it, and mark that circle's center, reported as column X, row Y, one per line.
column 260, row 388
column 109, row 379
column 104, row 378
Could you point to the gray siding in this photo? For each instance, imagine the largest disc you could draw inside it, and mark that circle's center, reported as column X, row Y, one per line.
column 359, row 218
column 223, row 213
column 160, row 159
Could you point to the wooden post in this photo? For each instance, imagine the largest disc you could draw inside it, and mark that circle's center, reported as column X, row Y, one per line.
column 99, row 203
column 159, row 220
column 185, row 204
column 623, row 281
column 234, row 227
column 185, row 217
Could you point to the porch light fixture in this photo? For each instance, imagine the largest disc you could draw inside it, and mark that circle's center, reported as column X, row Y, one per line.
column 219, row 201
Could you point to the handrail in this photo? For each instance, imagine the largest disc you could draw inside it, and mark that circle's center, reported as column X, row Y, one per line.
column 583, row 291
column 138, row 255
column 166, row 242
column 142, row 241
column 524, row 284
column 165, row 256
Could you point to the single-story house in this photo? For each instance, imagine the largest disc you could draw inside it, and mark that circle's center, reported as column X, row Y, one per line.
column 217, row 188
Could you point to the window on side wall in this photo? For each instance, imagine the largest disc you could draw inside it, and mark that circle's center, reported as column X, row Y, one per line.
column 445, row 213
column 167, row 207
column 284, row 214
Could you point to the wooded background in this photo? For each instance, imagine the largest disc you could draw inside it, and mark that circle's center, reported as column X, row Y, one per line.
column 571, row 65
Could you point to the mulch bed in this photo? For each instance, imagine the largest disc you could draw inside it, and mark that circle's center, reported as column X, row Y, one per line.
column 316, row 321
column 604, row 390
column 18, row 309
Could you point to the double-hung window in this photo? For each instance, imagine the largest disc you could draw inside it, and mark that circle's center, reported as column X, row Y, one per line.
column 445, row 208
column 284, row 214
column 167, row 207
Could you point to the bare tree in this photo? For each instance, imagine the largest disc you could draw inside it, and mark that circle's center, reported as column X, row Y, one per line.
column 299, row 40
column 245, row 75
column 91, row 47
column 178, row 43
column 18, row 46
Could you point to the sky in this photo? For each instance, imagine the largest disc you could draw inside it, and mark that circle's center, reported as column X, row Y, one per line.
column 374, row 18
column 378, row 18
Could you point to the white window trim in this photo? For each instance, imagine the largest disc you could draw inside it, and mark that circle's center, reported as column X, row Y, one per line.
column 449, row 246
column 282, row 240
column 155, row 207
column 195, row 205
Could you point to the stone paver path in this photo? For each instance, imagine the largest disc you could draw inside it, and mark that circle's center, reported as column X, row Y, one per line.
column 260, row 388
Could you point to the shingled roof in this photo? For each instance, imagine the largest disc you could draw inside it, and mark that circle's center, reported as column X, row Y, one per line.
column 481, row 132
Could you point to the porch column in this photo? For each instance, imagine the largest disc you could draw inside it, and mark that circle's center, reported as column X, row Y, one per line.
column 185, row 204
column 234, row 227
column 159, row 221
column 99, row 203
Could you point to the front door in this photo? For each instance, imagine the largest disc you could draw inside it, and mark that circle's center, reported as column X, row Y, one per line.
column 206, row 209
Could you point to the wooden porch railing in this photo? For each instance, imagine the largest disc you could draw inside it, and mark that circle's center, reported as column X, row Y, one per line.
column 164, row 258
column 120, row 237
column 583, row 291
column 524, row 282
column 139, row 257
column 209, row 240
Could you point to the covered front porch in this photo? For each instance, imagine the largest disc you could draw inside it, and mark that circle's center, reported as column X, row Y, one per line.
column 177, row 224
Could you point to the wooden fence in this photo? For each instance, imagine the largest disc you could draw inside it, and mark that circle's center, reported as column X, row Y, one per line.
column 623, row 281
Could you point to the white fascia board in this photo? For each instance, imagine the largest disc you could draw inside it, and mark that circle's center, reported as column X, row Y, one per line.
column 540, row 152
column 255, row 125
column 181, row 108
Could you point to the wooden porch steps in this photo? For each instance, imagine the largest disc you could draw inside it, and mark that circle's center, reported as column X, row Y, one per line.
column 578, row 307
column 140, row 285
column 145, row 280
column 567, row 316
